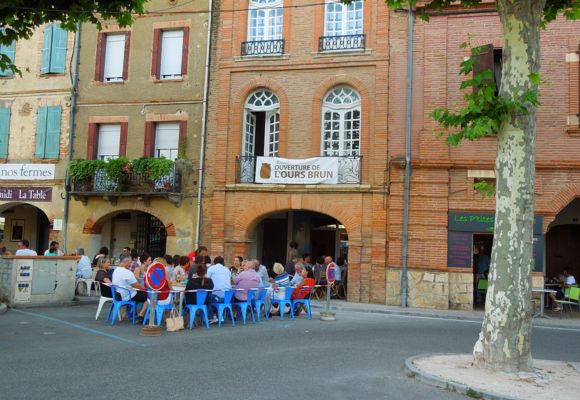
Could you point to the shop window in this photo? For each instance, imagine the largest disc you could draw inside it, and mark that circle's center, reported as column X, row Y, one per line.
column 54, row 50
column 4, row 132
column 112, row 62
column 170, row 49
column 341, row 123
column 261, row 135
column 48, row 132
column 7, row 50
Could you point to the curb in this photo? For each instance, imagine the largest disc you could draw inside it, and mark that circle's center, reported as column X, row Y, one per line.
column 3, row 308
column 413, row 372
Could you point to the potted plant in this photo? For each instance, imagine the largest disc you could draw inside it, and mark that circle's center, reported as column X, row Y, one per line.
column 153, row 171
column 82, row 172
column 115, row 174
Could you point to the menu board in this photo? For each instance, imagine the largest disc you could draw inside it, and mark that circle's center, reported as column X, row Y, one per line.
column 460, row 250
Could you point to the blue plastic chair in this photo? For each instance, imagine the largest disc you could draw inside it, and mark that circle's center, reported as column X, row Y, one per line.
column 282, row 303
column 243, row 306
column 305, row 301
column 159, row 309
column 261, row 302
column 226, row 305
column 117, row 304
column 198, row 306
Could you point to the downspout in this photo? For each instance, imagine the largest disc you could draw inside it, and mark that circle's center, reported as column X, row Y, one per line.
column 404, row 278
column 71, row 127
column 204, row 125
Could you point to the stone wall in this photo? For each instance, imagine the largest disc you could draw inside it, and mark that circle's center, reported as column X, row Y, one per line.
column 461, row 290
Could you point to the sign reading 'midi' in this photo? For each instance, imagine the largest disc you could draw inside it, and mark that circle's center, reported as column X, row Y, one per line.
column 308, row 171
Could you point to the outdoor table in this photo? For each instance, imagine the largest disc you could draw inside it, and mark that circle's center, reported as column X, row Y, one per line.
column 555, row 286
column 543, row 291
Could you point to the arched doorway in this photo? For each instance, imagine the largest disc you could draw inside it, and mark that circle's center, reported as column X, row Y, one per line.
column 20, row 221
column 135, row 229
column 562, row 241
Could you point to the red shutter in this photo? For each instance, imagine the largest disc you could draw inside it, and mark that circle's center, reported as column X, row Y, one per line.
column 182, row 134
column 156, row 56
column 149, row 146
column 123, row 141
column 93, row 141
column 484, row 60
column 184, row 52
column 100, row 57
column 126, row 55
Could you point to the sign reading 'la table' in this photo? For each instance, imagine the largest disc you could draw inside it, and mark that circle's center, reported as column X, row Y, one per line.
column 25, row 194
column 308, row 171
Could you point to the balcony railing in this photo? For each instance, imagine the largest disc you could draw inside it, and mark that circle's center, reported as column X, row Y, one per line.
column 263, row 47
column 132, row 183
column 341, row 43
column 348, row 169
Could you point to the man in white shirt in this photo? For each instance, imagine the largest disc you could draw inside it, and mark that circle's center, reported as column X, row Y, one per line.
column 567, row 282
column 221, row 278
column 23, row 249
column 126, row 284
column 328, row 261
column 297, row 279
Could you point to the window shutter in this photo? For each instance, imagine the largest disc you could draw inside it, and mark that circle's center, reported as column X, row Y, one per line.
column 4, row 131
column 123, row 141
column 484, row 61
column 46, row 49
column 182, row 133
column 156, row 56
column 58, row 51
column 92, row 142
column 126, row 56
column 41, row 131
column 184, row 52
column 171, row 54
column 52, row 146
column 100, row 58
column 114, row 57
column 149, row 139
column 9, row 51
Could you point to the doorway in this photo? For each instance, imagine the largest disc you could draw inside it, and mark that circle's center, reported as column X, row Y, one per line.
column 482, row 245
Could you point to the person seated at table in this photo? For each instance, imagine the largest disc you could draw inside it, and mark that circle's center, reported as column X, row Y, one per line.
column 245, row 280
column 237, row 267
column 281, row 282
column 197, row 261
column 179, row 273
column 84, row 269
column 566, row 281
column 297, row 278
column 102, row 277
column 200, row 281
column 304, row 288
column 168, row 266
column 128, row 286
column 142, row 269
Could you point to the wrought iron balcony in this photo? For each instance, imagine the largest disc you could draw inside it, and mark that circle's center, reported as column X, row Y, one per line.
column 263, row 47
column 348, row 169
column 341, row 43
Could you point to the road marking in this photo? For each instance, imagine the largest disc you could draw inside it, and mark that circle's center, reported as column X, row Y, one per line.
column 80, row 327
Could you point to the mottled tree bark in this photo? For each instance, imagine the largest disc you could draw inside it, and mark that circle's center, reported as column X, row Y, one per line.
column 506, row 335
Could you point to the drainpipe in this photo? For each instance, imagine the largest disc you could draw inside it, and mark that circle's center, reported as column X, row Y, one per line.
column 204, row 125
column 404, row 278
column 73, row 103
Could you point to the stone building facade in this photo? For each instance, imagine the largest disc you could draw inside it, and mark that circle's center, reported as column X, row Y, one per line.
column 293, row 80
column 141, row 94
column 34, row 137
column 450, row 221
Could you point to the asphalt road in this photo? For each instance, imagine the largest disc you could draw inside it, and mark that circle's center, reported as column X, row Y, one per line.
column 63, row 353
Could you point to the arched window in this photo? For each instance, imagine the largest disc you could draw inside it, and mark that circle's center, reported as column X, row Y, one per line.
column 341, row 122
column 261, row 124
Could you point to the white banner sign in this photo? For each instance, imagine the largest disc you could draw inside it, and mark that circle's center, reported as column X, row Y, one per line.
column 26, row 172
column 307, row 171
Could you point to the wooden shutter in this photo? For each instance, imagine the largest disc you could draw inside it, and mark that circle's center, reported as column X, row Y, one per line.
column 185, row 51
column 58, row 50
column 41, row 131
column 52, row 145
column 9, row 51
column 156, row 56
column 100, row 57
column 126, row 56
column 92, row 141
column 46, row 49
column 182, row 134
column 4, row 131
column 149, row 144
column 484, row 61
column 123, row 140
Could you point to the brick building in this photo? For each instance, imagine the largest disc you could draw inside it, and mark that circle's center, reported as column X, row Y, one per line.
column 449, row 221
column 34, row 137
column 293, row 80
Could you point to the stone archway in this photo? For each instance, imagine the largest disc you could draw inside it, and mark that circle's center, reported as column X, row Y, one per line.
column 94, row 224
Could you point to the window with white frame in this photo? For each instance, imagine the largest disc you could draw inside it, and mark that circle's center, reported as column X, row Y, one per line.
column 342, row 19
column 261, row 124
column 171, row 54
column 114, row 57
column 166, row 140
column 109, row 141
column 266, row 18
column 341, row 119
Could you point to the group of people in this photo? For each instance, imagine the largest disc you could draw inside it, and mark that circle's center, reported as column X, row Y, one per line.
column 197, row 271
column 565, row 280
column 25, row 250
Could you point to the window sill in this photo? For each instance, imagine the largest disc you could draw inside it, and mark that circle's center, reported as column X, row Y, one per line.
column 51, row 74
column 106, row 83
column 342, row 53
column 262, row 57
column 6, row 77
column 46, row 161
column 573, row 131
column 157, row 80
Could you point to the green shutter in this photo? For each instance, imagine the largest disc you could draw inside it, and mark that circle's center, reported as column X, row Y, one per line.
column 4, row 131
column 41, row 132
column 52, row 144
column 46, row 49
column 9, row 51
column 58, row 50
